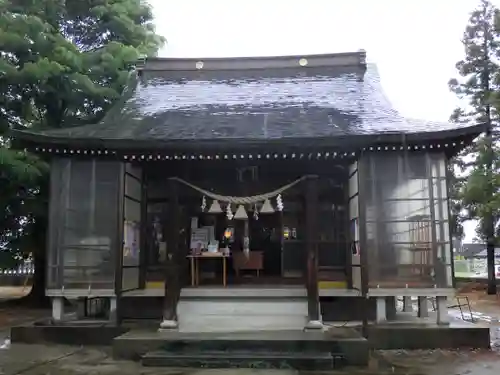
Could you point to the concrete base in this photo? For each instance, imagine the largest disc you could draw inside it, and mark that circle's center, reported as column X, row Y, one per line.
column 342, row 309
column 381, row 310
column 407, row 304
column 423, row 307
column 168, row 325
column 390, row 307
column 238, row 349
column 389, row 337
column 443, row 317
column 57, row 309
column 70, row 333
column 314, row 325
column 113, row 317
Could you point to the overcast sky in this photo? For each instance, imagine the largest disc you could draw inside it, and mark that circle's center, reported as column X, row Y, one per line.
column 415, row 43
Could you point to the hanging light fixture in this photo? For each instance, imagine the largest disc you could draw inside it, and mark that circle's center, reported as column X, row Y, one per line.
column 267, row 208
column 240, row 213
column 215, row 208
column 203, row 203
column 228, row 233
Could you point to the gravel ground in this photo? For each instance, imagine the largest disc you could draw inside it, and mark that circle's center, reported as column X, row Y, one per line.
column 65, row 360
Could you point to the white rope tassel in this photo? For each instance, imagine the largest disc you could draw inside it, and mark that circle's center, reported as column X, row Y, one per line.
column 241, row 200
column 279, row 203
column 229, row 212
column 246, row 246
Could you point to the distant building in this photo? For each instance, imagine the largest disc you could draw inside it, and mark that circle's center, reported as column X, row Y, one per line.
column 482, row 253
column 475, row 250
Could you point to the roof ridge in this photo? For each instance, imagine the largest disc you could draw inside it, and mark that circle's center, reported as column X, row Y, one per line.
column 357, row 58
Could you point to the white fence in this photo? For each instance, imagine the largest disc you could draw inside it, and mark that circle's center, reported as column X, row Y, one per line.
column 23, row 270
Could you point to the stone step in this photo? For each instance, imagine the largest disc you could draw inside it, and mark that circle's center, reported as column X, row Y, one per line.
column 241, row 323
column 241, row 314
column 243, row 306
column 242, row 344
column 243, row 359
column 136, row 343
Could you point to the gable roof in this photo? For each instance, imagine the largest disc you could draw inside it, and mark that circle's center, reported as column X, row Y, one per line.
column 469, row 250
column 333, row 97
column 484, row 253
column 478, row 250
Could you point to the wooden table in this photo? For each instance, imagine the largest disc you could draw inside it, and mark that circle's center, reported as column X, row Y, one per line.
column 195, row 266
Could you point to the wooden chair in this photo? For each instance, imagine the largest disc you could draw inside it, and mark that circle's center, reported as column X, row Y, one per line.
column 254, row 261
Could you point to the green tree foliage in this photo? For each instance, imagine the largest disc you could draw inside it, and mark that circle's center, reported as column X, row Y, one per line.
column 62, row 63
column 476, row 179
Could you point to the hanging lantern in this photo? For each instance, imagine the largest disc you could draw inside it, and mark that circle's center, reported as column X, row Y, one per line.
column 286, row 233
column 279, row 203
column 267, row 208
column 229, row 213
column 255, row 212
column 215, row 208
column 203, row 203
column 240, row 213
column 228, row 233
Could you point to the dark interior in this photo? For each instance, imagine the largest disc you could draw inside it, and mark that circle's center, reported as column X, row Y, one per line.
column 279, row 235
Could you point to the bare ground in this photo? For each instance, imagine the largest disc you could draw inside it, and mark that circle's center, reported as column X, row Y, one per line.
column 65, row 360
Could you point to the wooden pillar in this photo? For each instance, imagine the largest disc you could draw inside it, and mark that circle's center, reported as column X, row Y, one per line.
column 144, row 251
column 432, row 210
column 364, row 165
column 312, row 253
column 407, row 304
column 172, row 261
column 423, row 307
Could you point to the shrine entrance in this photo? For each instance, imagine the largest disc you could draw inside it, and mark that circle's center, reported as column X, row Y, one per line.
column 245, row 225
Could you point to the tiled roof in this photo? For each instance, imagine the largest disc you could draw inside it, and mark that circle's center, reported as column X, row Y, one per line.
column 470, row 250
column 484, row 253
column 256, row 105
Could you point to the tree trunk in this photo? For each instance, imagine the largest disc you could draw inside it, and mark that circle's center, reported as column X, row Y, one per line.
column 37, row 297
column 486, row 80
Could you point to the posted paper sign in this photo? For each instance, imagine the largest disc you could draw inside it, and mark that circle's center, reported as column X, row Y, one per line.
column 199, row 238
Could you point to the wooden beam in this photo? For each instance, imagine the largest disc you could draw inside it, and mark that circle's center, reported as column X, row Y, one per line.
column 312, row 247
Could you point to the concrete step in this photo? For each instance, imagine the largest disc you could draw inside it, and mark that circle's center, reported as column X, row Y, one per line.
column 244, row 306
column 241, row 323
column 260, row 344
column 243, row 359
column 275, row 342
column 241, row 314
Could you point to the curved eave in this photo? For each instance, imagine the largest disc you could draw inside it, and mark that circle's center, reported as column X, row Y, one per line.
column 351, row 142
